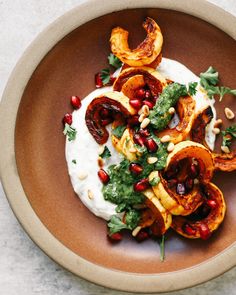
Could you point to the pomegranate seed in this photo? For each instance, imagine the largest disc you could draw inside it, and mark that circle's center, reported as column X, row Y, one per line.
column 116, row 237
column 194, row 171
column 151, row 145
column 105, row 122
column 172, row 183
column 148, row 94
column 189, row 184
column 98, row 80
column 135, row 103
column 141, row 185
column 140, row 93
column 104, row 177
column 212, row 204
column 138, row 139
column 75, row 102
column 180, row 189
column 144, row 132
column 104, row 113
column 142, row 235
column 135, row 168
column 133, row 121
column 189, row 230
column 67, row 119
column 204, row 231
column 148, row 103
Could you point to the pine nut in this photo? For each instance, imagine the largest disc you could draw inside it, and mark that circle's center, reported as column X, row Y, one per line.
column 90, row 194
column 196, row 181
column 229, row 114
column 145, row 110
column 82, row 175
column 225, row 149
column 170, row 147
column 165, row 138
column 145, row 123
column 218, row 122
column 141, row 118
column 132, row 150
column 171, row 110
column 136, row 231
column 152, row 160
column 216, row 130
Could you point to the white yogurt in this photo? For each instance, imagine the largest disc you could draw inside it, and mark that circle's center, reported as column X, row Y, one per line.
column 85, row 151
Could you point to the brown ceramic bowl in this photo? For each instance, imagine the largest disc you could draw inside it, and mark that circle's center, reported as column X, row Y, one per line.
column 61, row 62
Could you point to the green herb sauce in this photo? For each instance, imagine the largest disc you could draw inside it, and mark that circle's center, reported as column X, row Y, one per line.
column 160, row 116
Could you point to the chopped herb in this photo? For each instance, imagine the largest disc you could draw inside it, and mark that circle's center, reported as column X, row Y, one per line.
column 159, row 116
column 162, row 248
column 154, row 181
column 105, row 76
column 209, row 80
column 127, row 140
column 70, row 132
column 114, row 61
column 132, row 218
column 118, row 131
column 115, row 225
column 192, row 88
column 106, row 153
column 73, row 161
column 228, row 135
column 140, row 149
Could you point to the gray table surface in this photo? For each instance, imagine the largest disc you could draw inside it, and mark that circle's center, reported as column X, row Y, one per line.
column 24, row 268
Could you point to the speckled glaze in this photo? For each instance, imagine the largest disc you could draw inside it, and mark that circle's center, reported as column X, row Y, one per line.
column 123, row 281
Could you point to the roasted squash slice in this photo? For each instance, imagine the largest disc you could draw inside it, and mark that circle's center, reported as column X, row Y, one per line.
column 225, row 162
column 198, row 131
column 206, row 219
column 163, row 218
column 116, row 103
column 145, row 53
column 185, row 110
column 189, row 149
column 151, row 77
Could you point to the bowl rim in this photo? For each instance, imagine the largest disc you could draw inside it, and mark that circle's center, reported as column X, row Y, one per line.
column 19, row 203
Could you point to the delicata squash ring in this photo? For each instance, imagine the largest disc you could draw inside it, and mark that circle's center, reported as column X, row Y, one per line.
column 114, row 102
column 201, row 224
column 185, row 109
column 145, row 53
column 163, row 218
column 151, row 77
column 186, row 203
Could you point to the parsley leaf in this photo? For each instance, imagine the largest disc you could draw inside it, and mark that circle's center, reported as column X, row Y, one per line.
column 220, row 90
column 154, row 181
column 73, row 161
column 209, row 80
column 192, row 88
column 228, row 135
column 105, row 76
column 210, row 77
column 118, row 131
column 70, row 132
column 115, row 225
column 114, row 61
column 106, row 153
